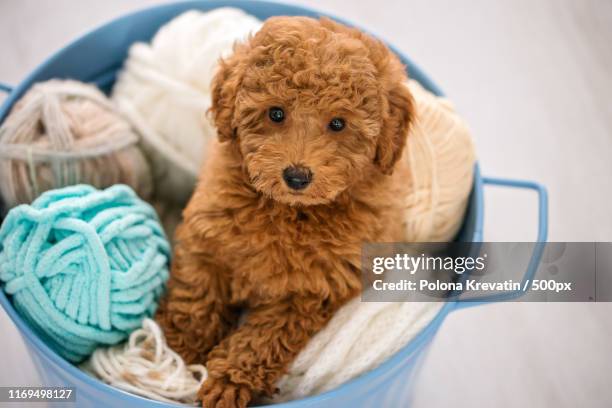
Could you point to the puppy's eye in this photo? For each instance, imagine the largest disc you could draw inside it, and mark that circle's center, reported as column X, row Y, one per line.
column 276, row 114
column 336, row 124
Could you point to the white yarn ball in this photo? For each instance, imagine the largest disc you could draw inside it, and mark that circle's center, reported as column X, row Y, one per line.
column 164, row 88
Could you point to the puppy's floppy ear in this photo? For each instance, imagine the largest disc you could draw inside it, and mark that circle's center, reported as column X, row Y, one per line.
column 225, row 86
column 397, row 104
column 398, row 112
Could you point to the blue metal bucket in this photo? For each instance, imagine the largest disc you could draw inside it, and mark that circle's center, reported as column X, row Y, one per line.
column 96, row 57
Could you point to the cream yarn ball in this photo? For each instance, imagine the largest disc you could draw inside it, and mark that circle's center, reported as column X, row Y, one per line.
column 64, row 132
column 441, row 157
column 164, row 88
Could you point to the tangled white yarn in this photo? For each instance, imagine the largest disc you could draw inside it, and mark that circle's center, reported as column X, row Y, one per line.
column 146, row 366
column 164, row 88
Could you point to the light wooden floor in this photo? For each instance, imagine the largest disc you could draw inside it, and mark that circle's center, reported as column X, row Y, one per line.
column 534, row 80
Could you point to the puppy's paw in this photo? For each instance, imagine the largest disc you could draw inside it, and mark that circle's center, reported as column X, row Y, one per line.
column 220, row 393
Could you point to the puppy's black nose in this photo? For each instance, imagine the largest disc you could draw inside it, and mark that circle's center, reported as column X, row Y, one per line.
column 297, row 178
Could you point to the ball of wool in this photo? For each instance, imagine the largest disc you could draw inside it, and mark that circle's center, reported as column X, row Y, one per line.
column 164, row 87
column 63, row 132
column 441, row 156
column 84, row 266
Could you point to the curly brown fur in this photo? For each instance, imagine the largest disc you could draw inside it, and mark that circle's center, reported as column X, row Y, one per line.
column 249, row 242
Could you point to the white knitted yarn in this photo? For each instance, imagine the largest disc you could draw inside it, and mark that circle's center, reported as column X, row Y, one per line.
column 360, row 336
column 146, row 366
column 164, row 88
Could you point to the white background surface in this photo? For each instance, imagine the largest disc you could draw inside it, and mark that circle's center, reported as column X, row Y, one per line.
column 534, row 80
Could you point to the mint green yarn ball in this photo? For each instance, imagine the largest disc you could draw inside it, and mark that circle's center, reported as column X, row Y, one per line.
column 84, row 266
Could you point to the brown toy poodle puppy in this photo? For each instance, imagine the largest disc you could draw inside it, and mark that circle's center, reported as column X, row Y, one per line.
column 312, row 118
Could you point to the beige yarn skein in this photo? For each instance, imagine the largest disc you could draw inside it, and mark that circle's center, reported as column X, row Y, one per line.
column 64, row 132
column 441, row 156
